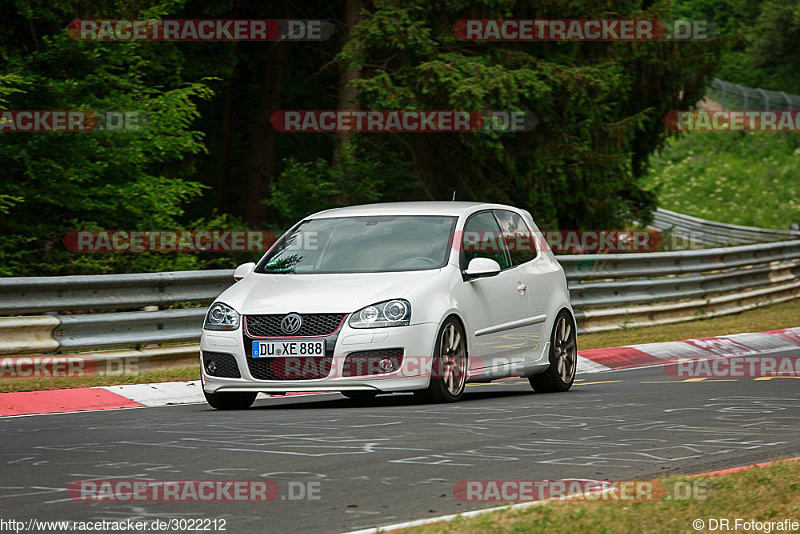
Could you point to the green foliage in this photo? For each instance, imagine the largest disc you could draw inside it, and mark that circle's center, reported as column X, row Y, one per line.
column 304, row 188
column 761, row 39
column 747, row 178
column 773, row 44
column 56, row 182
column 599, row 105
column 740, row 178
column 209, row 144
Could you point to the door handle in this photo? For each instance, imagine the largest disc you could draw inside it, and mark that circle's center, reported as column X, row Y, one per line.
column 521, row 287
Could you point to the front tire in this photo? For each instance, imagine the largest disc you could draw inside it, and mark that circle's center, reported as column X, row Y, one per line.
column 449, row 366
column 230, row 401
column 563, row 358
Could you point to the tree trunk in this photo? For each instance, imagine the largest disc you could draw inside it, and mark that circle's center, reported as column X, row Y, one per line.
column 273, row 69
column 222, row 192
column 223, row 177
column 348, row 96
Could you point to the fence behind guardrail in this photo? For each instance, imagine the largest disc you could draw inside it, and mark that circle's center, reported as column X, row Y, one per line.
column 738, row 97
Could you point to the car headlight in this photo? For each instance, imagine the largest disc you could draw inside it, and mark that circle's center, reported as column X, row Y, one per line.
column 221, row 317
column 395, row 312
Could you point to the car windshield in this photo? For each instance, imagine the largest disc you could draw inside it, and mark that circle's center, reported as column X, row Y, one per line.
column 362, row 245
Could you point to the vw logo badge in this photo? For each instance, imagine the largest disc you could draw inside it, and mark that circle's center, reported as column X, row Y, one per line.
column 291, row 323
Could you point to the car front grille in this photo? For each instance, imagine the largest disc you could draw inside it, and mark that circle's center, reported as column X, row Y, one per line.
column 221, row 365
column 290, row 367
column 314, row 324
column 372, row 362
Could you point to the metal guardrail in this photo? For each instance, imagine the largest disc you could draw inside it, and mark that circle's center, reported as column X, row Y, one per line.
column 128, row 328
column 121, row 327
column 702, row 232
column 609, row 291
column 626, row 290
column 115, row 291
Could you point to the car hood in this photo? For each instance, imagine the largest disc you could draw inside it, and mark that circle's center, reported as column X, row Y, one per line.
column 319, row 293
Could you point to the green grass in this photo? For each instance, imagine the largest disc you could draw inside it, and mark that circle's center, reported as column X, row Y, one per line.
column 738, row 178
column 774, row 317
column 46, row 383
column 770, row 493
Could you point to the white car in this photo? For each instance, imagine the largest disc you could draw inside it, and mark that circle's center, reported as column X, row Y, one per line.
column 416, row 297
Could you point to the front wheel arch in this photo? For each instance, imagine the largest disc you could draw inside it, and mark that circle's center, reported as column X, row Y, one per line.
column 437, row 390
column 458, row 318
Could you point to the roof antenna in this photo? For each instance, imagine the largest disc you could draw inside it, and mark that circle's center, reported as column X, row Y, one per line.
column 454, row 196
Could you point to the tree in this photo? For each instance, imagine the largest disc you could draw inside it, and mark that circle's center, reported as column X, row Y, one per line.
column 600, row 105
column 56, row 182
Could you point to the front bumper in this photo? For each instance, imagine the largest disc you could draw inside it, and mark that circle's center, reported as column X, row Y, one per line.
column 417, row 342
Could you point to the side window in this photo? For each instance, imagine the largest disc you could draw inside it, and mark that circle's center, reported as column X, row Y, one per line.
column 482, row 239
column 519, row 239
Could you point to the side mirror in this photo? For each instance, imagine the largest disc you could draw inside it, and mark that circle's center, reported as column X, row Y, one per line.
column 243, row 270
column 481, row 268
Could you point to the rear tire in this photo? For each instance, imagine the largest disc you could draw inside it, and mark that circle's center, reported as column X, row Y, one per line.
column 230, row 401
column 449, row 366
column 563, row 358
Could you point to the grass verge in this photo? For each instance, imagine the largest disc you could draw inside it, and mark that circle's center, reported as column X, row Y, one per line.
column 773, row 317
column 770, row 493
column 8, row 385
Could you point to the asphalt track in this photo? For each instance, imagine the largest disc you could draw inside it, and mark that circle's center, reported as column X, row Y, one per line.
column 396, row 460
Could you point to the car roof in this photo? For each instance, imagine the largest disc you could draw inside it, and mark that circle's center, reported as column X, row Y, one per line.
column 408, row 208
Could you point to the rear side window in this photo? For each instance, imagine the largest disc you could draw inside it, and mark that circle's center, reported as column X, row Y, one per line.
column 519, row 239
column 482, row 239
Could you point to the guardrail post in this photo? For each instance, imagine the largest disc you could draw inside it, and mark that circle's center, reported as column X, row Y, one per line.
column 788, row 100
column 766, row 98
column 744, row 95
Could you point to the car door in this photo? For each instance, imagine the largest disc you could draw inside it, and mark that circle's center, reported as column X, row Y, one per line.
column 497, row 306
column 535, row 273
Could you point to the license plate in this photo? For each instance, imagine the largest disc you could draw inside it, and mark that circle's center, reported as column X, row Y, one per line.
column 271, row 349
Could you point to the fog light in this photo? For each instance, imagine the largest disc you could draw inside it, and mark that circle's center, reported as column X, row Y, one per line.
column 211, row 366
column 386, row 365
